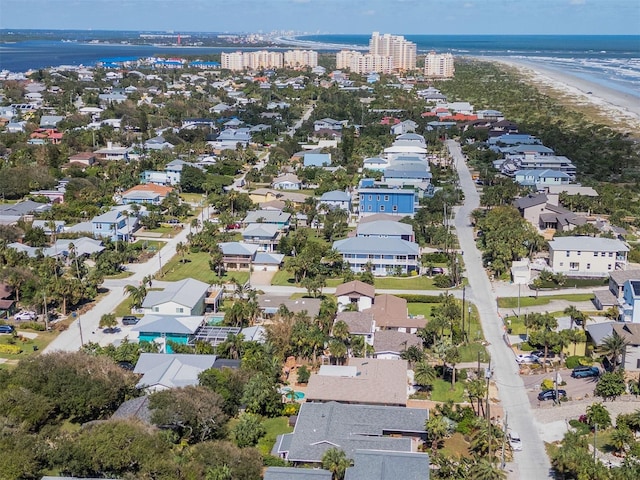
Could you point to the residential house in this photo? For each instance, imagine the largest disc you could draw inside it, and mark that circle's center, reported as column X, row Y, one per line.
column 394, row 201
column 541, row 178
column 542, row 213
column 265, row 235
column 613, row 296
column 50, row 227
column 263, row 195
column 388, row 465
column 587, row 256
column 390, row 344
column 535, row 161
column 408, row 173
column 630, row 304
column 278, row 218
column 183, row 298
column 364, row 381
column 329, row 124
column 386, row 229
column 553, row 191
column 391, row 313
column 50, row 122
column 358, row 323
column 246, row 256
column 336, row 199
column 597, row 334
column 355, row 293
column 386, row 256
column 510, row 139
column 375, row 164
column 163, row 329
column 321, row 426
column 11, row 213
column 163, row 372
column 82, row 246
column 270, row 304
column 407, row 126
column 230, row 138
column 7, row 304
column 158, row 143
column 114, row 224
column 316, row 159
column 112, row 152
column 172, row 174
column 150, row 193
column 83, row 158
column 288, row 181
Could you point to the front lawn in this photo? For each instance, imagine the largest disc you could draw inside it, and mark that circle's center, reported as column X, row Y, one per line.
column 274, row 427
column 512, row 302
column 421, row 309
column 196, row 265
column 27, row 344
column 442, row 392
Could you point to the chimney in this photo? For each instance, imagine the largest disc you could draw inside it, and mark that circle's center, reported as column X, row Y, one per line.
column 109, row 145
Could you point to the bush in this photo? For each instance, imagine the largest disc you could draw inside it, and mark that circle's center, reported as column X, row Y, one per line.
column 303, row 374
column 435, row 257
column 442, row 281
column 547, row 384
column 38, row 327
column 10, row 349
column 271, row 461
column 461, row 374
column 413, row 298
column 581, row 427
column 577, row 361
column 525, row 347
column 291, row 409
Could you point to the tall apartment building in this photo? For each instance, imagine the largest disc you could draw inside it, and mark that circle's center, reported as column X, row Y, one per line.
column 251, row 60
column 300, row 58
column 402, row 51
column 364, row 63
column 439, row 65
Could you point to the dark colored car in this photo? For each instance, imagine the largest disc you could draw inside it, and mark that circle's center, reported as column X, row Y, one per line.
column 585, row 372
column 130, row 320
column 540, row 354
column 551, row 395
column 437, row 271
column 6, row 328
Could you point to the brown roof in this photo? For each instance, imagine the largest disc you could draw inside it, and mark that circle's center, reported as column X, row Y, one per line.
column 389, row 311
column 5, row 290
column 621, row 276
column 629, row 331
column 358, row 322
column 356, row 289
column 394, row 341
column 377, row 382
column 82, row 156
column 151, row 187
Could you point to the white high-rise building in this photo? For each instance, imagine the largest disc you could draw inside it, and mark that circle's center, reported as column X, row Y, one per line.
column 400, row 50
column 300, row 58
column 364, row 63
column 439, row 65
column 251, row 60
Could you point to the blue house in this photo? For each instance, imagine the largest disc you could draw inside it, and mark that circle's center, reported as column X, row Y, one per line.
column 542, row 177
column 165, row 328
column 114, row 225
column 394, row 201
column 630, row 297
column 317, row 159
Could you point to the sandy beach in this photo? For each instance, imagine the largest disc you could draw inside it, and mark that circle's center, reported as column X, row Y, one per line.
column 624, row 107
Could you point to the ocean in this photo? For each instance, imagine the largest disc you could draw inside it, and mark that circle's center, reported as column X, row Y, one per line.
column 611, row 61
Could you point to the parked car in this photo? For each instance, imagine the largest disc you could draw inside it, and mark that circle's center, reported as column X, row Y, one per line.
column 25, row 315
column 437, row 271
column 551, row 395
column 540, row 354
column 527, row 358
column 6, row 328
column 234, row 226
column 173, row 221
column 130, row 320
column 585, row 372
column 515, row 441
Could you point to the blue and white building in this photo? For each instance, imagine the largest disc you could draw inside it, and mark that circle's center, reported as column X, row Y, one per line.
column 336, row 199
column 393, row 201
column 387, row 256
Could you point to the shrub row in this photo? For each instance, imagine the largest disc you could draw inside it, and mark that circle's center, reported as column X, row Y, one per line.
column 10, row 349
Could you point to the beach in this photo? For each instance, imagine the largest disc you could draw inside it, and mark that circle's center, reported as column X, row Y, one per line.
column 623, row 107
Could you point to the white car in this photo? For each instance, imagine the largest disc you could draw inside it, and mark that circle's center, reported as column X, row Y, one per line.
column 25, row 315
column 515, row 442
column 527, row 358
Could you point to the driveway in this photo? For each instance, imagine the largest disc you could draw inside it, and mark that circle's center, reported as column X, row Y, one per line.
column 534, row 465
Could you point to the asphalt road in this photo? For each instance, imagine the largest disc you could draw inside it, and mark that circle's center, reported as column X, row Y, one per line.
column 532, row 462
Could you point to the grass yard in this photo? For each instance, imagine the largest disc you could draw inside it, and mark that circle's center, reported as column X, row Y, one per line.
column 196, row 266
column 163, row 230
column 456, row 446
column 153, row 245
column 27, row 344
column 192, row 197
column 469, row 352
column 406, row 283
column 442, row 392
column 123, row 274
column 512, row 302
column 421, row 308
column 274, row 427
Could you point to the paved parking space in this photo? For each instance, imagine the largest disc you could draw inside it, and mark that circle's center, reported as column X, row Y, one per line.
column 577, row 388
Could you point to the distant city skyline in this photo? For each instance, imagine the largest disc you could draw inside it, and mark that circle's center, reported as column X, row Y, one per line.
column 455, row 17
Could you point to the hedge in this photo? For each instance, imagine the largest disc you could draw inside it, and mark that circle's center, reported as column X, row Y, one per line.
column 414, row 298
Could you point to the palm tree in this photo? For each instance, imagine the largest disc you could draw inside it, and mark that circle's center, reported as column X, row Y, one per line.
column 577, row 317
column 136, row 294
column 437, row 428
column 621, row 438
column 182, row 249
column 108, row 321
column 340, row 331
column 615, row 347
column 413, row 354
column 195, row 223
column 485, row 470
column 424, row 374
column 336, row 461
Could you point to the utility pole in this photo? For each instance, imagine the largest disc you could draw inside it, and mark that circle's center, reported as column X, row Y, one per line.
column 46, row 313
column 80, row 327
column 595, row 435
column 556, row 400
column 463, row 299
column 504, row 437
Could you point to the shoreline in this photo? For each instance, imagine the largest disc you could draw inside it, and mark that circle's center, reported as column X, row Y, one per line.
column 618, row 105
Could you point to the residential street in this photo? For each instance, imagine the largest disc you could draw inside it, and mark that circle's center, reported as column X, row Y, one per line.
column 532, row 463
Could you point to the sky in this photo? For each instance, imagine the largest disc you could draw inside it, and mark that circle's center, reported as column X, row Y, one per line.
column 547, row 17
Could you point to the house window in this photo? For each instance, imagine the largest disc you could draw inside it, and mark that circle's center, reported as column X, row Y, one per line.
column 603, row 254
column 574, row 266
column 156, row 309
column 579, row 252
column 595, row 254
column 378, row 198
column 179, row 310
column 609, row 267
column 386, row 198
column 370, row 197
column 395, row 208
column 382, row 208
column 562, row 264
column 588, row 266
column 610, row 254
column 567, row 253
column 369, row 207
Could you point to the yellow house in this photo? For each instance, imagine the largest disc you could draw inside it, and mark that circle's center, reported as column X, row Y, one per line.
column 263, row 195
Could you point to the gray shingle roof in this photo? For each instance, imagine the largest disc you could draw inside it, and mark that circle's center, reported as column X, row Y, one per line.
column 268, row 216
column 260, row 230
column 238, row 248
column 376, row 245
column 291, row 473
column 379, row 465
column 183, row 325
column 172, row 370
column 187, row 292
column 134, row 408
column 335, row 196
column 588, row 244
column 530, row 201
column 394, row 341
column 384, row 228
column 321, row 426
column 358, row 322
